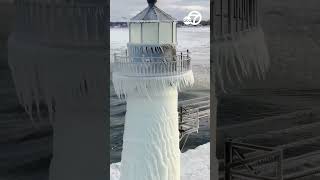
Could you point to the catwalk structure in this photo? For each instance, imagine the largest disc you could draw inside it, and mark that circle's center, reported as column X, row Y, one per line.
column 57, row 58
column 149, row 79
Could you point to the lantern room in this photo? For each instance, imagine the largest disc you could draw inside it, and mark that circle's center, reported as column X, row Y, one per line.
column 153, row 26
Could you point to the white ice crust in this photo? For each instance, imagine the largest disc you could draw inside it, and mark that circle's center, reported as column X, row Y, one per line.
column 195, row 164
column 151, row 138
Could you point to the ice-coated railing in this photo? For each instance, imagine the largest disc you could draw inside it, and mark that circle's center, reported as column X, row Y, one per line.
column 61, row 21
column 234, row 16
column 151, row 66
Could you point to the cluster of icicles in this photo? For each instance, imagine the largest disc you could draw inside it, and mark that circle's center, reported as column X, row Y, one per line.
column 245, row 55
column 151, row 50
column 38, row 79
column 150, row 86
column 234, row 60
column 45, row 75
column 201, row 75
column 54, row 76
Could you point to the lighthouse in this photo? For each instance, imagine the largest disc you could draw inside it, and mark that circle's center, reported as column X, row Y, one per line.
column 149, row 77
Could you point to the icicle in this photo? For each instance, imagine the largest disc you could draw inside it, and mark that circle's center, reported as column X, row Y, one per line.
column 37, row 80
column 246, row 52
column 150, row 85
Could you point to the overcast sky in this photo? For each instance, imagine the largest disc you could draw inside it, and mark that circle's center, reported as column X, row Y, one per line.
column 121, row 10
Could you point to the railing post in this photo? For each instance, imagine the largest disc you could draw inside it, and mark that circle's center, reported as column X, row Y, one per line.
column 257, row 13
column 182, row 66
column 221, row 18
column 280, row 166
column 242, row 14
column 180, row 114
column 236, row 8
column 230, row 17
column 252, row 13
column 248, row 13
column 228, row 159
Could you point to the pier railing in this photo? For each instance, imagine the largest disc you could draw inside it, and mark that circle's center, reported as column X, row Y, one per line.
column 151, row 66
column 239, row 165
column 190, row 113
column 60, row 21
column 248, row 161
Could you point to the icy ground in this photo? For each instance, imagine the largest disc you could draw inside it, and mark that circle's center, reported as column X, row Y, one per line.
column 195, row 164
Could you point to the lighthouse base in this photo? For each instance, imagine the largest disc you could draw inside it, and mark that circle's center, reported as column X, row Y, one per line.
column 151, row 138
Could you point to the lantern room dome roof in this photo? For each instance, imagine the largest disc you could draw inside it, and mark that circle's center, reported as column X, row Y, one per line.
column 152, row 13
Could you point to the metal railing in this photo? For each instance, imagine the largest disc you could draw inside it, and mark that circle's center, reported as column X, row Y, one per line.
column 151, row 66
column 60, row 21
column 239, row 165
column 190, row 113
column 247, row 161
column 233, row 16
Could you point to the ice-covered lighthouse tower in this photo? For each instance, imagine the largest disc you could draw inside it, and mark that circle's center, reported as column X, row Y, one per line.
column 149, row 77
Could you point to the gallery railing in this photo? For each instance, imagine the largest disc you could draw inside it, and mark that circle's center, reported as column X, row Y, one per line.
column 61, row 21
column 233, row 16
column 151, row 66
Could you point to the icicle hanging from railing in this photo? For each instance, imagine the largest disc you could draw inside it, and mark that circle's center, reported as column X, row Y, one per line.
column 139, row 76
column 239, row 48
column 39, row 75
column 243, row 57
column 150, row 86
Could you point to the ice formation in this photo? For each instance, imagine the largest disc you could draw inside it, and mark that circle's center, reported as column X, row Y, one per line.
column 151, row 138
column 195, row 165
column 149, row 79
column 65, row 73
column 201, row 75
column 242, row 56
column 238, row 49
column 72, row 85
column 150, row 86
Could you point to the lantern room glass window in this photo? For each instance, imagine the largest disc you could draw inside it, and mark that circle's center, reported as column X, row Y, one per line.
column 150, row 33
column 135, row 32
column 174, row 31
column 153, row 32
column 165, row 33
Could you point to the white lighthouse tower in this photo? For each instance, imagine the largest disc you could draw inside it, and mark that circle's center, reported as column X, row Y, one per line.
column 149, row 77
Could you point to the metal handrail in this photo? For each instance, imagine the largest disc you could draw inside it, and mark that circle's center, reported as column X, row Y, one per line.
column 151, row 66
column 234, row 16
column 231, row 151
column 138, row 59
column 51, row 21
